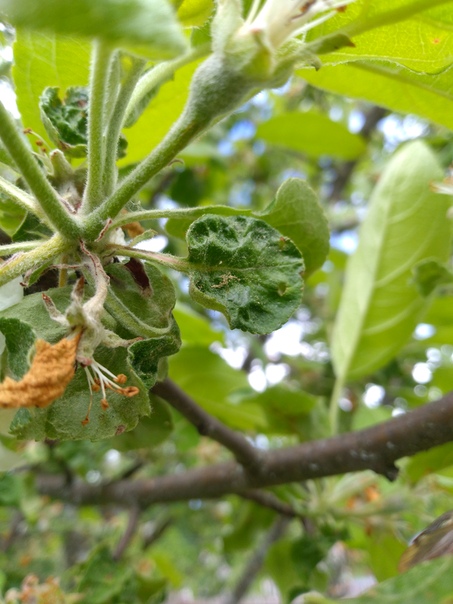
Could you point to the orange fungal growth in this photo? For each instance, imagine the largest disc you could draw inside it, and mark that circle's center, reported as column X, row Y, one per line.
column 50, row 372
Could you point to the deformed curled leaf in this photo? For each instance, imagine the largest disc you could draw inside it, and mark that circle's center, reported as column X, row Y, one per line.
column 246, row 269
column 51, row 370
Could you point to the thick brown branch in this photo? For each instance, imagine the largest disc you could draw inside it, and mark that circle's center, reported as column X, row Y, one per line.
column 244, row 452
column 375, row 448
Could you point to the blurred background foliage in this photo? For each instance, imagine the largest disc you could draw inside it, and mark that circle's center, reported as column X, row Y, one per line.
column 350, row 530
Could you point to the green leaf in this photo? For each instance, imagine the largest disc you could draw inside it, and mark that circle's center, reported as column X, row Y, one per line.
column 295, row 212
column 104, row 579
column 391, row 86
column 11, row 215
column 194, row 13
column 150, row 23
column 246, row 269
column 195, row 329
column 428, row 462
column 312, row 133
column 388, row 30
column 288, row 411
column 159, row 117
column 141, row 299
column 211, row 382
column 42, row 60
column 406, row 223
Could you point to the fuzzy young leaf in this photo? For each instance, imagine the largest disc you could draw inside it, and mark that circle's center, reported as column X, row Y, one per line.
column 246, row 269
column 150, row 23
column 406, row 224
column 66, row 121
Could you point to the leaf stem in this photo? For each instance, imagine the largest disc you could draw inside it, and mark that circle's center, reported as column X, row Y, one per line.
column 182, row 133
column 116, row 122
column 47, row 197
column 178, row 264
column 21, row 246
column 100, row 68
column 21, row 198
column 157, row 76
column 39, row 255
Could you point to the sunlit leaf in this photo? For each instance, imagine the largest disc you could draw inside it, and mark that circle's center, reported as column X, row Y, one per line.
column 406, row 223
column 311, row 133
column 150, row 23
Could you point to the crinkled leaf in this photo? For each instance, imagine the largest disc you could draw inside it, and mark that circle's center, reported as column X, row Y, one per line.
column 63, row 418
column 295, row 212
column 42, row 60
column 144, row 356
column 150, row 23
column 312, row 133
column 150, row 431
column 246, row 269
column 19, row 339
column 66, row 121
column 143, row 300
column 430, row 274
column 406, row 223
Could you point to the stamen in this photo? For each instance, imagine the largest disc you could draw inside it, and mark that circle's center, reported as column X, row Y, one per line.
column 98, row 379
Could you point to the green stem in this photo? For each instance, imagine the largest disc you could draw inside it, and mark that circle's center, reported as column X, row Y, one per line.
column 21, row 198
column 47, row 197
column 116, row 123
column 178, row 264
column 152, row 215
column 334, row 405
column 182, row 133
column 158, row 76
column 20, row 264
column 100, row 68
column 21, row 246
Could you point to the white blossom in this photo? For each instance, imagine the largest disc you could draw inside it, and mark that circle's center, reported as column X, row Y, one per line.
column 279, row 20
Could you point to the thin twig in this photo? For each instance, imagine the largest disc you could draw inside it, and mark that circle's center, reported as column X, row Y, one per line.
column 207, row 425
column 157, row 532
column 255, row 563
column 271, row 501
column 128, row 535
